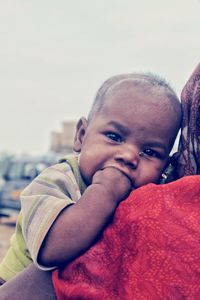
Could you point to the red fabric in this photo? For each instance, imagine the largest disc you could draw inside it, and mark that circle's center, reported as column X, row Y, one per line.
column 151, row 250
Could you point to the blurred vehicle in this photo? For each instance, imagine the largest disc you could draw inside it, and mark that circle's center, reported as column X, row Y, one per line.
column 15, row 175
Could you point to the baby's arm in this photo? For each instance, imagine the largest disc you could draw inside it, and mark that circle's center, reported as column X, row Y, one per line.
column 42, row 201
column 77, row 226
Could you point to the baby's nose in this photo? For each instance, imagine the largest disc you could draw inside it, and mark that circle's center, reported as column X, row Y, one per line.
column 128, row 156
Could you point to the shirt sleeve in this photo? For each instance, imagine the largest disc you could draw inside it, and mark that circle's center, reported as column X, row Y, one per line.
column 42, row 201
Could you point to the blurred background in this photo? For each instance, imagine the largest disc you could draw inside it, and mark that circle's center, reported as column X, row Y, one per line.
column 54, row 55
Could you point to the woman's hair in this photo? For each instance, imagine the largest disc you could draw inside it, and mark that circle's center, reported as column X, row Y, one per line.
column 187, row 161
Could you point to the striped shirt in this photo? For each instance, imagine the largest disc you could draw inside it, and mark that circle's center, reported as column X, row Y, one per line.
column 42, row 201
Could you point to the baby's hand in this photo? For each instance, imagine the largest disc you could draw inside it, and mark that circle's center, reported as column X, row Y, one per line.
column 114, row 182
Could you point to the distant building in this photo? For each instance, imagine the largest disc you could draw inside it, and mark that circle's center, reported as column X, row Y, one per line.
column 62, row 142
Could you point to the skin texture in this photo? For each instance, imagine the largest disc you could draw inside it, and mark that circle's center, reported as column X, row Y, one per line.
column 125, row 145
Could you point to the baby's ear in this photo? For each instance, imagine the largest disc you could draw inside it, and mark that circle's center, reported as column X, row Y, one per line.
column 81, row 127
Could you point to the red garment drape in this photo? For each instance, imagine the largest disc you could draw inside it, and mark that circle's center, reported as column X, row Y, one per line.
column 151, row 250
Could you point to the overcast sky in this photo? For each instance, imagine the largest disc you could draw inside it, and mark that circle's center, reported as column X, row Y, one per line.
column 55, row 54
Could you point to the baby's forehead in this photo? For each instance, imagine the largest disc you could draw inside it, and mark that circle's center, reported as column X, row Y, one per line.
column 140, row 103
column 136, row 92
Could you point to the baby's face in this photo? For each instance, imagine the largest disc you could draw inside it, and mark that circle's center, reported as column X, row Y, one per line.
column 132, row 132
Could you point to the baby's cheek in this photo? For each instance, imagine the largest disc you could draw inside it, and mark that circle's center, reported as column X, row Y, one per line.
column 149, row 176
column 84, row 167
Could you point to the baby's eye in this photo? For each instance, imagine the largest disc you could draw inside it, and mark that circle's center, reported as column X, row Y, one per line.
column 151, row 153
column 114, row 136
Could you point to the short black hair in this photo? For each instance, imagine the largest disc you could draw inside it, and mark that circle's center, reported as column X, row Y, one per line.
column 149, row 80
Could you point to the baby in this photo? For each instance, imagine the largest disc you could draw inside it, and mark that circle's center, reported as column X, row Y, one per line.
column 124, row 144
